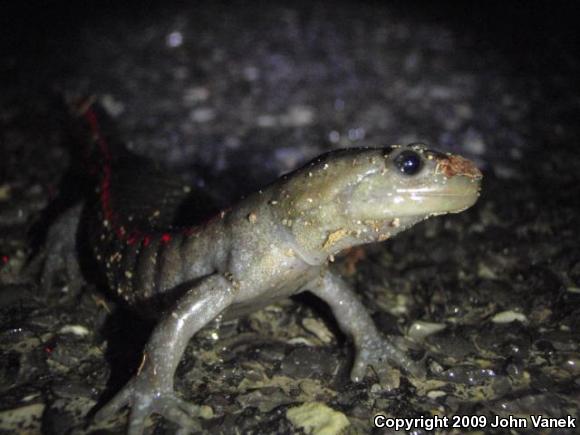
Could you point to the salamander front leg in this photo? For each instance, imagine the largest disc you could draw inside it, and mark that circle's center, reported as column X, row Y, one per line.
column 371, row 348
column 151, row 389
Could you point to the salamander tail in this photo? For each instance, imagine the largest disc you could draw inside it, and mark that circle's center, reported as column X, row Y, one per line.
column 95, row 137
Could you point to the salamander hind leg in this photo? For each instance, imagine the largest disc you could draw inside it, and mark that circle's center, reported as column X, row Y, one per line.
column 59, row 253
column 372, row 349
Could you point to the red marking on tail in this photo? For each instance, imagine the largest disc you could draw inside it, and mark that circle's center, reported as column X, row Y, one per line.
column 105, row 190
column 133, row 237
column 105, row 182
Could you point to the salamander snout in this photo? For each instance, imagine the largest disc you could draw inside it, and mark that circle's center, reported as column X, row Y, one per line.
column 415, row 181
column 456, row 183
column 454, row 165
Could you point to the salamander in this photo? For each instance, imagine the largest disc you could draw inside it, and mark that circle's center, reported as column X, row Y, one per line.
column 275, row 243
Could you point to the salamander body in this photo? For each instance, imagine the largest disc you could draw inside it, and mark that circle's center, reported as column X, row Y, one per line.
column 275, row 243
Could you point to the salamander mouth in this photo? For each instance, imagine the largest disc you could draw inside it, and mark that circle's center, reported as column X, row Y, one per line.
column 457, row 192
column 471, row 190
column 411, row 197
column 417, row 202
column 447, row 195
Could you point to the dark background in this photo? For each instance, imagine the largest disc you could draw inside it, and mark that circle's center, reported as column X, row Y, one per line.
column 230, row 95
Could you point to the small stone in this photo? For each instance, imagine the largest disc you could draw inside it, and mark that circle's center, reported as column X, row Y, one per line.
column 317, row 419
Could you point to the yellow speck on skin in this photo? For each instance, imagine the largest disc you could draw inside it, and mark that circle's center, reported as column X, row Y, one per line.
column 383, row 237
column 334, row 237
column 316, row 418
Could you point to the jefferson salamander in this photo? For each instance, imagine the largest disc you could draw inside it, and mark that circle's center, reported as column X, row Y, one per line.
column 273, row 244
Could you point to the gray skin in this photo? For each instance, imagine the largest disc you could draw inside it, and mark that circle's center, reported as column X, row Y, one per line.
column 274, row 244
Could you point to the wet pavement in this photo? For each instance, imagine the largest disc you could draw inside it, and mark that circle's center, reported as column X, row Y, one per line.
column 232, row 96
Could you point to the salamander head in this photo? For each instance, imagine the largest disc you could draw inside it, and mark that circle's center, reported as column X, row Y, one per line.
column 414, row 181
column 354, row 196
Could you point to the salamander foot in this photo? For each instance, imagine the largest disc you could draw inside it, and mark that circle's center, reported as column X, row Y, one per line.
column 144, row 400
column 379, row 353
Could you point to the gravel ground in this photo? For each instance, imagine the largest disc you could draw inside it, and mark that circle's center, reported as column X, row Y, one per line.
column 230, row 97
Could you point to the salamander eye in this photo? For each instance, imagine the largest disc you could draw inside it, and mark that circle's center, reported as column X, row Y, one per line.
column 408, row 162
